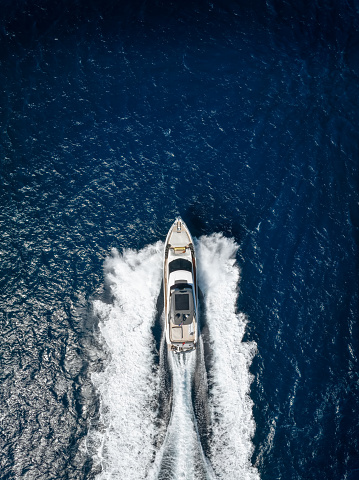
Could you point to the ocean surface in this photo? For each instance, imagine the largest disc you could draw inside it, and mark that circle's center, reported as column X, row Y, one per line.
column 242, row 117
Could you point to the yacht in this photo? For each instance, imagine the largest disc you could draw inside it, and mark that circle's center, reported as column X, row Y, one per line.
column 180, row 289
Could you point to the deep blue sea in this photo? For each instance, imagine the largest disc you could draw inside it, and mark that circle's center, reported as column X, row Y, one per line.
column 240, row 116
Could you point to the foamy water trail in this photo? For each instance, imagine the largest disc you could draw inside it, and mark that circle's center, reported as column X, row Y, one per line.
column 232, row 423
column 125, row 443
column 181, row 456
column 128, row 388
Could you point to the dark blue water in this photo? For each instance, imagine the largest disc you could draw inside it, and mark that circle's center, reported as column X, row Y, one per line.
column 243, row 119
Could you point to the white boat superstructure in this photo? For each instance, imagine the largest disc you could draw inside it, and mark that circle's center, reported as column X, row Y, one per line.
column 180, row 289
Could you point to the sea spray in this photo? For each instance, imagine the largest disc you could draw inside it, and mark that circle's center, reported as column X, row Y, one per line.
column 124, row 445
column 232, row 424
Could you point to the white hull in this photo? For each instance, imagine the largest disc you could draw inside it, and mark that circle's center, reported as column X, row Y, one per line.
column 180, row 289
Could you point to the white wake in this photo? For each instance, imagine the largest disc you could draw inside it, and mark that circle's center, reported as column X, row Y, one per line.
column 181, row 456
column 128, row 388
column 232, row 422
column 124, row 445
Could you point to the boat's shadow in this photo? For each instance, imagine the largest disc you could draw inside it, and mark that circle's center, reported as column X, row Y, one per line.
column 200, row 387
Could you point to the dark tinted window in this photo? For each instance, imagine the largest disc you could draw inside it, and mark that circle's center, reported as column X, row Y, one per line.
column 182, row 301
column 180, row 264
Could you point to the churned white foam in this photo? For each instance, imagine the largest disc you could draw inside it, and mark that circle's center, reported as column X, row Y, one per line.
column 232, row 423
column 123, row 445
column 181, row 456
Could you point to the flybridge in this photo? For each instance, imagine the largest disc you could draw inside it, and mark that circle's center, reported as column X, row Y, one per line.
column 180, row 289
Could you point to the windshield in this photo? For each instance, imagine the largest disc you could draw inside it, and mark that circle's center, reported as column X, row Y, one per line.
column 180, row 264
